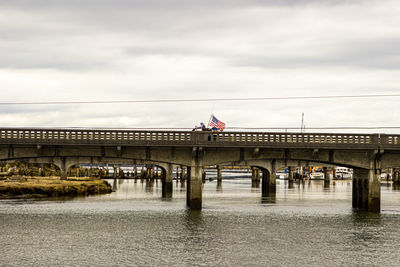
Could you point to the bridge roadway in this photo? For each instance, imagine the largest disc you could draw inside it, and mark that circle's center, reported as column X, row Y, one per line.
column 367, row 154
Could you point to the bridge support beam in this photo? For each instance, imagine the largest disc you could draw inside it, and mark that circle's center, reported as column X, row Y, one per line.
column 367, row 190
column 194, row 180
column 167, row 182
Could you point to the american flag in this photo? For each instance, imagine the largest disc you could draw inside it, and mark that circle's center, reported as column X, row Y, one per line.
column 214, row 122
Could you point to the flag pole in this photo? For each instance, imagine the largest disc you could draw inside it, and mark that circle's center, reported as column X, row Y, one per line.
column 209, row 120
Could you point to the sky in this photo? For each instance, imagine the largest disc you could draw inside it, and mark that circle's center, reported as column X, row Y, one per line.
column 96, row 50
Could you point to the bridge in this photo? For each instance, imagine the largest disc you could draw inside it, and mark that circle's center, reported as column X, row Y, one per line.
column 367, row 154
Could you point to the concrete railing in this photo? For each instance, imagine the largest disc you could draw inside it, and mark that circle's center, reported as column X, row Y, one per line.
column 190, row 138
column 390, row 141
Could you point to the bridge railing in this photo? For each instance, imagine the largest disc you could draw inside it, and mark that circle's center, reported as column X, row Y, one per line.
column 390, row 141
column 309, row 139
column 186, row 138
column 91, row 136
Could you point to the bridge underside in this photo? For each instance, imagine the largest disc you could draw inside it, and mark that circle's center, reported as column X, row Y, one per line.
column 366, row 163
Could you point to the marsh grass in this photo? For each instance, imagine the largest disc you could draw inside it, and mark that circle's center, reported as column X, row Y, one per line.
column 52, row 187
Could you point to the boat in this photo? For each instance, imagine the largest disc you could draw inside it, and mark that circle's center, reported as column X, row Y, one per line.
column 282, row 175
column 317, row 176
column 343, row 173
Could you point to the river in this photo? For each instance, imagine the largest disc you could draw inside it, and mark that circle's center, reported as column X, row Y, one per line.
column 308, row 225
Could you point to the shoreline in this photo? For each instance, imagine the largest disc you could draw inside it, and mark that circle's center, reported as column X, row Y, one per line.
column 48, row 187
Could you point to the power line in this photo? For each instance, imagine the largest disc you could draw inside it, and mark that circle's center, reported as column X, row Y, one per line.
column 199, row 100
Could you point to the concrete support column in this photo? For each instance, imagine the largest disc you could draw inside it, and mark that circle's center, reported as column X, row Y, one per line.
column 121, row 173
column 219, row 174
column 255, row 178
column 395, row 176
column 268, row 187
column 396, row 179
column 203, row 176
column 149, row 172
column 367, row 190
column 291, row 177
column 255, row 175
column 194, row 180
column 183, row 173
column 63, row 169
column 327, row 180
column 115, row 172
column 326, row 175
column 167, row 182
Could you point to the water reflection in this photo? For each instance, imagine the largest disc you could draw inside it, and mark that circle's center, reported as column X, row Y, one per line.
column 327, row 184
column 232, row 229
column 255, row 184
column 219, row 186
column 149, row 185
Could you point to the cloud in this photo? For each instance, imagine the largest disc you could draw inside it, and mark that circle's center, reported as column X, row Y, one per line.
column 110, row 50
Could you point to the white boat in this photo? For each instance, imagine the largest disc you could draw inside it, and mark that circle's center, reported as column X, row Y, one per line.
column 316, row 176
column 343, row 173
column 282, row 175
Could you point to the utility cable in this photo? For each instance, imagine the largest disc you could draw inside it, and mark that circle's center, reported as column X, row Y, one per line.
column 200, row 100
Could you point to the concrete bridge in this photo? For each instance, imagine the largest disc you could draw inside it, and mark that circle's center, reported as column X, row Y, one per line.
column 367, row 154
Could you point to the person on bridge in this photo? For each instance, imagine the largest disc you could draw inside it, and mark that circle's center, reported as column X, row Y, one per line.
column 202, row 127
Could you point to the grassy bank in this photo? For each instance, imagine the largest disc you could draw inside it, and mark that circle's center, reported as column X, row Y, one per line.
column 51, row 187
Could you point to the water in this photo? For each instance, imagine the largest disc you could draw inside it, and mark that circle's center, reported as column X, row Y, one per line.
column 307, row 226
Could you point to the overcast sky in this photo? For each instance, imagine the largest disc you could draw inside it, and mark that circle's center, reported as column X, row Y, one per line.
column 66, row 50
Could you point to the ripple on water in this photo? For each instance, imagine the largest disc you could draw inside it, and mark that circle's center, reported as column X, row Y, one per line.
column 306, row 226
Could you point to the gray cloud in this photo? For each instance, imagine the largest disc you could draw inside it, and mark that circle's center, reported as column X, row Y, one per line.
column 98, row 50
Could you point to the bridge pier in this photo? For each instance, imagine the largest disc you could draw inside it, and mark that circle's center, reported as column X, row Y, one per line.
column 62, row 164
column 255, row 177
column 291, row 178
column 396, row 179
column 395, row 176
column 194, row 180
column 115, row 175
column 327, row 179
column 268, row 184
column 367, row 190
column 219, row 174
column 183, row 173
column 167, row 182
